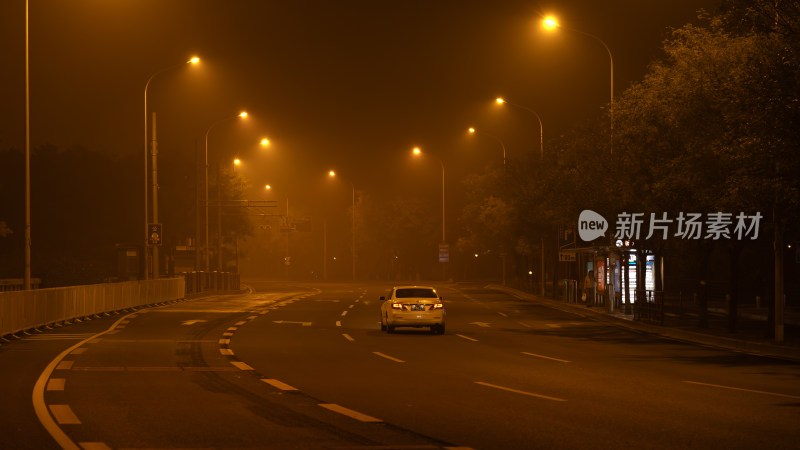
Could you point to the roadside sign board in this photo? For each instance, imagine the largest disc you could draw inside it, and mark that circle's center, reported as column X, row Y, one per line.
column 566, row 256
column 154, row 234
column 444, row 253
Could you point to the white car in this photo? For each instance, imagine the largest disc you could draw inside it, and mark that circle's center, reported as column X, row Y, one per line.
column 412, row 306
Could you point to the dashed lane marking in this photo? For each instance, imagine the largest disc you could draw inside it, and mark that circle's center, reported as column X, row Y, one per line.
column 240, row 323
column 226, row 352
column 774, row 394
column 502, row 314
column 240, row 365
column 224, row 341
column 388, row 357
column 78, row 351
column 338, row 323
column 467, row 338
column 278, row 384
column 351, row 306
column 348, row 337
column 56, row 384
column 349, row 412
column 65, row 365
column 545, row 357
column 63, row 415
column 344, row 313
column 94, row 446
column 517, row 391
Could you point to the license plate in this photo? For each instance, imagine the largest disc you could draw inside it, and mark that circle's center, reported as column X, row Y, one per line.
column 418, row 307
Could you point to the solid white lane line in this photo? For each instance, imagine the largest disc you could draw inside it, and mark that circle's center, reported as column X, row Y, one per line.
column 338, row 323
column 241, row 366
column 388, row 357
column 349, row 412
column 467, row 338
column 545, row 357
column 278, row 384
column 344, row 313
column 56, row 384
column 775, row 394
column 226, row 351
column 64, row 415
column 348, row 337
column 516, row 391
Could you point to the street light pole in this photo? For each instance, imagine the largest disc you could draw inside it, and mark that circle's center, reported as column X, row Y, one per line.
column 417, row 151
column 550, row 23
column 502, row 145
column 194, row 60
column 501, row 100
column 353, row 226
column 207, row 246
column 27, row 275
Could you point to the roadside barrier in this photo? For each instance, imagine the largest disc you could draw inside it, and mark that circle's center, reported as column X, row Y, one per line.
column 25, row 310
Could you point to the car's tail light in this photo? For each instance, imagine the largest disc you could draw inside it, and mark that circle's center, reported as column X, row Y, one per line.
column 438, row 306
column 397, row 306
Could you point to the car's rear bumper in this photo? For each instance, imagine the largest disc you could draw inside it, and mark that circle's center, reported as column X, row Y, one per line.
column 411, row 319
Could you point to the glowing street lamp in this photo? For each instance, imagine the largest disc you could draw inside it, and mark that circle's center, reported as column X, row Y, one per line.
column 194, row 60
column 416, row 151
column 551, row 24
column 242, row 115
column 264, row 142
column 501, row 101
column 502, row 145
column 332, row 174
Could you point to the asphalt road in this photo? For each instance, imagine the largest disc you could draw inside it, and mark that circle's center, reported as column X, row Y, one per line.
column 306, row 366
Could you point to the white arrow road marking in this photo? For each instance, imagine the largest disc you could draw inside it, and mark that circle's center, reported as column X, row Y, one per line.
column 305, row 324
column 192, row 322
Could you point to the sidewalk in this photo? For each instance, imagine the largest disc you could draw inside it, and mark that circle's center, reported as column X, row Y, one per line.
column 751, row 336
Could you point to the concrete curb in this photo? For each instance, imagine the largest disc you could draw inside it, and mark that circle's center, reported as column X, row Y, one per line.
column 739, row 345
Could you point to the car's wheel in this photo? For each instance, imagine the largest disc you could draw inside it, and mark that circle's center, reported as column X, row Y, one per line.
column 389, row 328
column 383, row 324
column 437, row 329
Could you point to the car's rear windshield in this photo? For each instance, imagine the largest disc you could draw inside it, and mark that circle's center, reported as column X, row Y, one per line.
column 415, row 293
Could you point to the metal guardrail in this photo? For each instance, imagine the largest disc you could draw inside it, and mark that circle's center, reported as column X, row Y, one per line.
column 24, row 310
column 649, row 305
column 197, row 282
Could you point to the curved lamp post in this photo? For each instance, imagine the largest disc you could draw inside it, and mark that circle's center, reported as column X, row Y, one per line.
column 194, row 60
column 550, row 23
column 502, row 145
column 416, row 151
column 501, row 101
